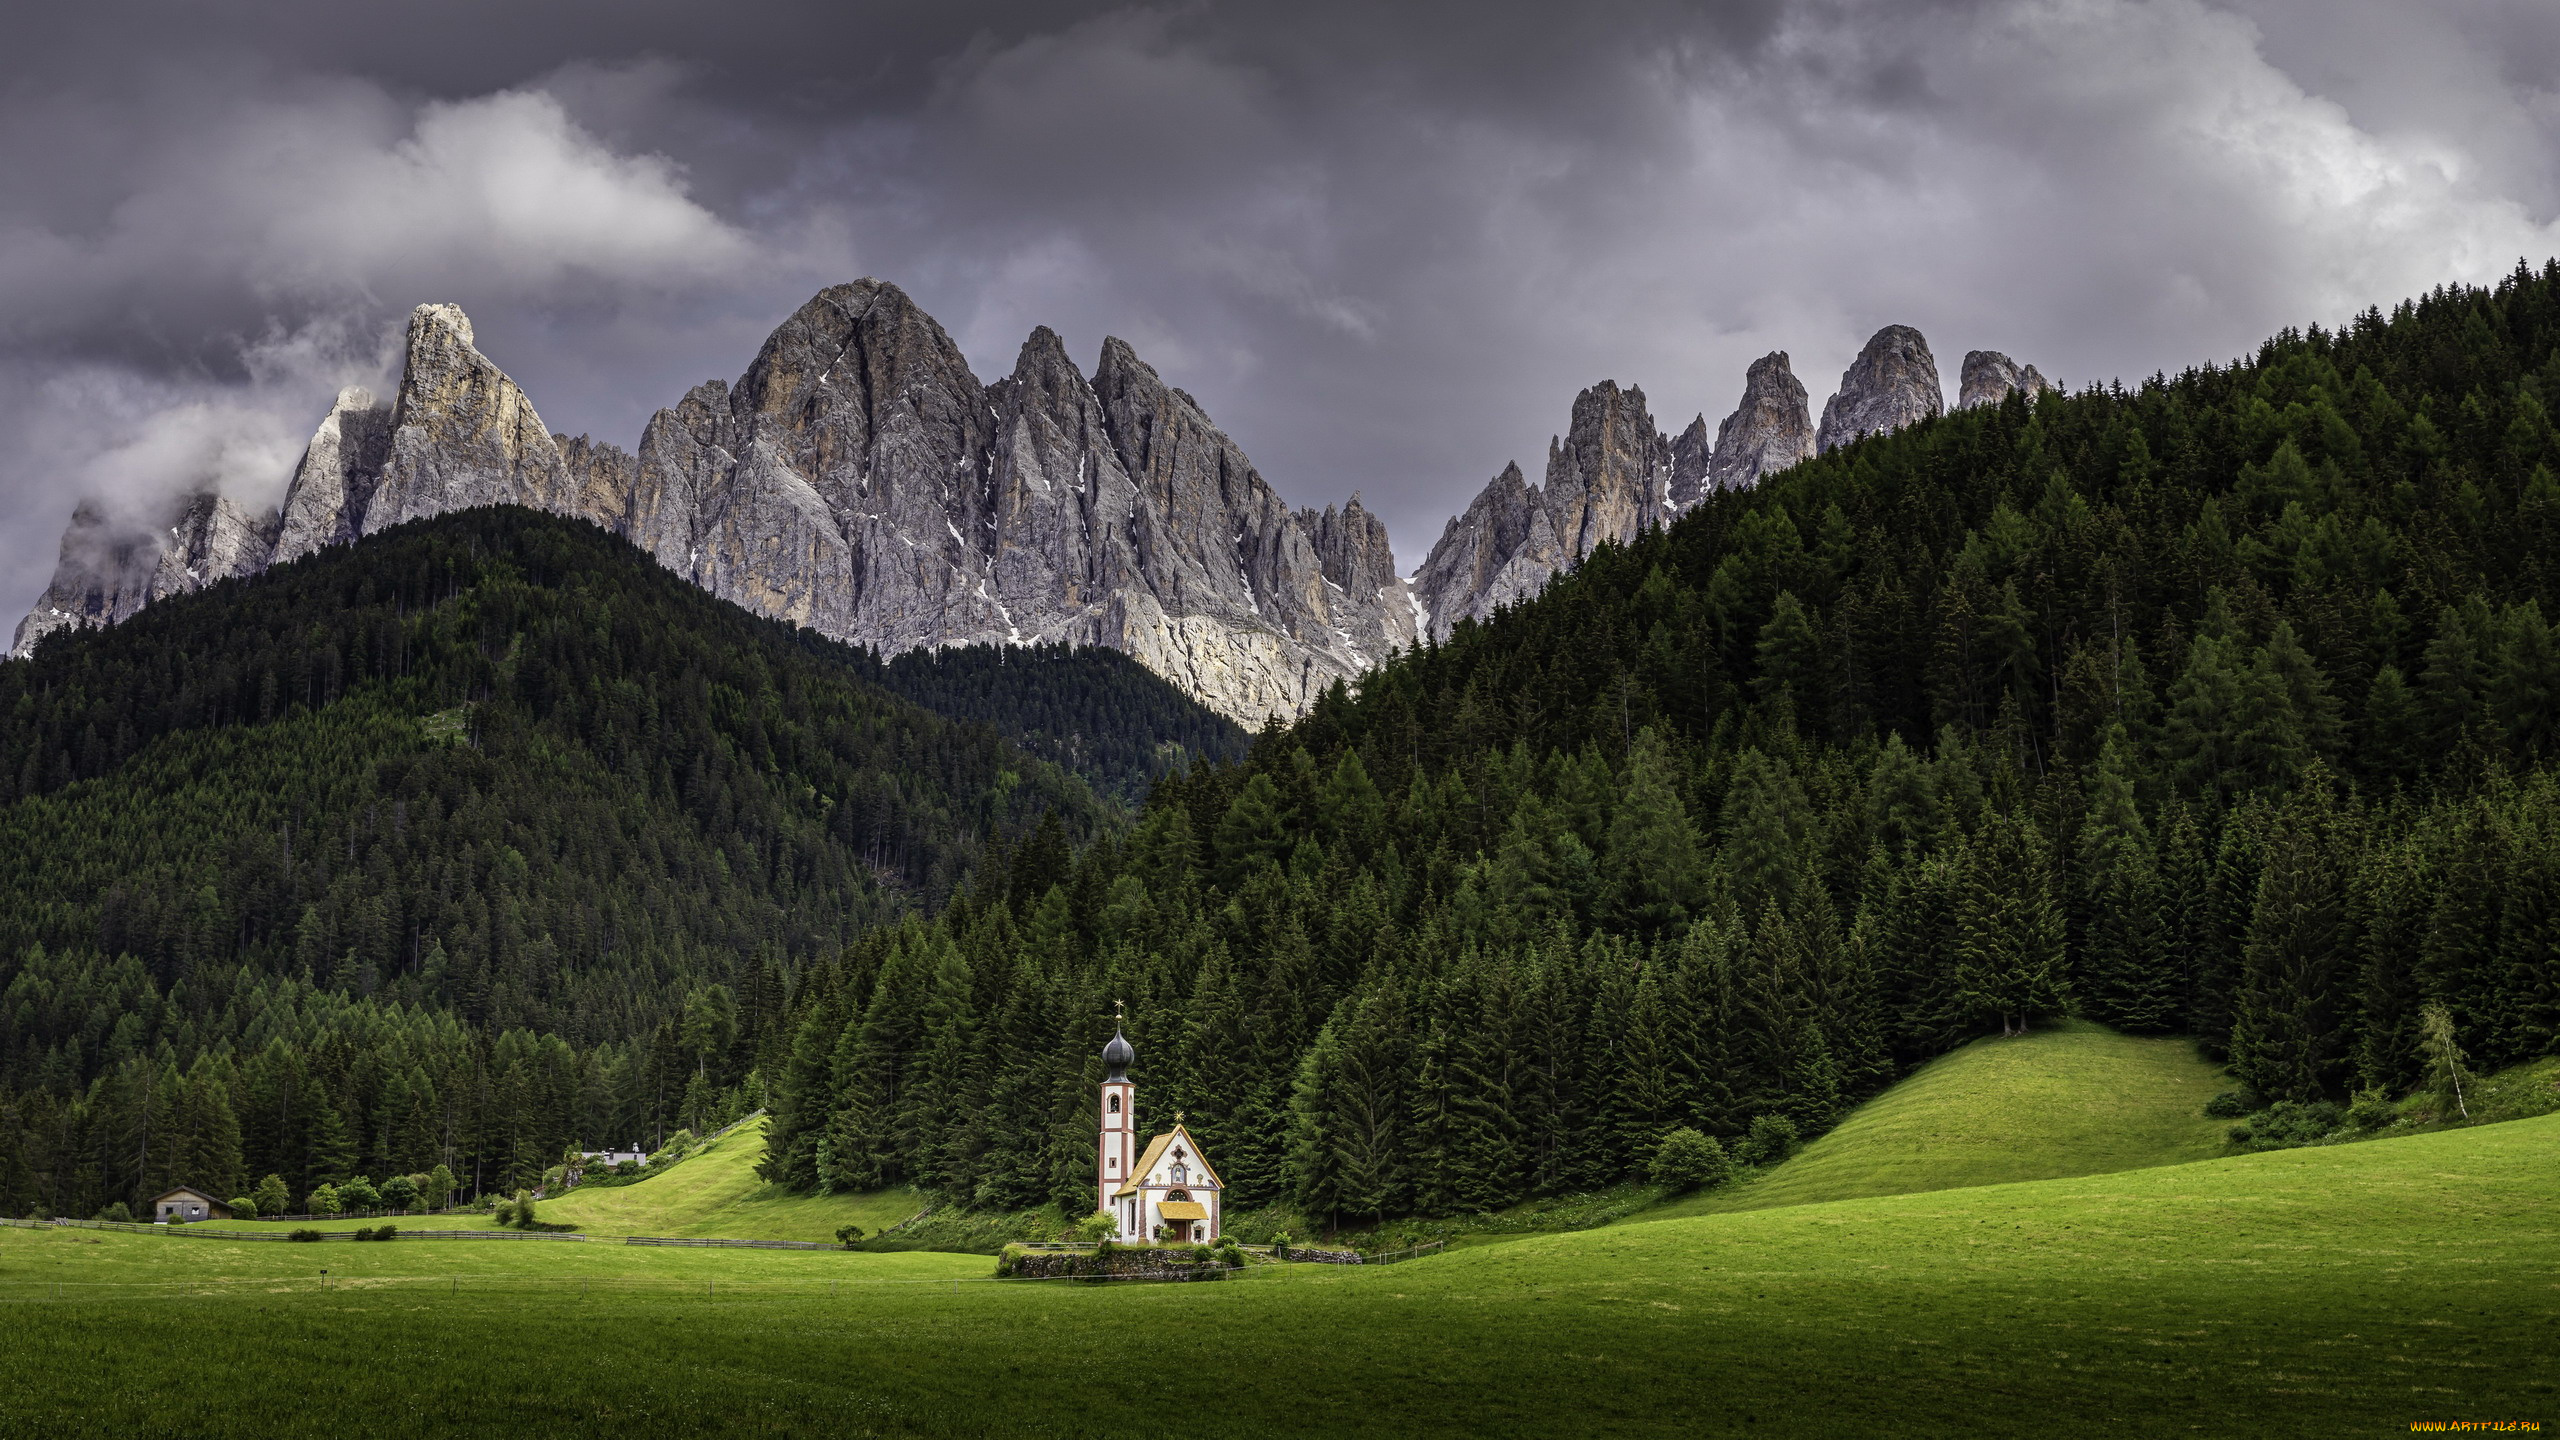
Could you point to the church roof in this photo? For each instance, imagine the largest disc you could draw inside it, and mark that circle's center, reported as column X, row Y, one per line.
column 1183, row 1210
column 1155, row 1151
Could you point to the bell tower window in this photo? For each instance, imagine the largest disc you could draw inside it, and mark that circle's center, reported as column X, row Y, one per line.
column 1115, row 1105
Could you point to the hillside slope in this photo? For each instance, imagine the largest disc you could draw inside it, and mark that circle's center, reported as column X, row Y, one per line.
column 718, row 1193
column 1095, row 711
column 2077, row 1099
column 417, row 849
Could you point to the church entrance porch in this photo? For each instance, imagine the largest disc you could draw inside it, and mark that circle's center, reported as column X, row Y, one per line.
column 1188, row 1219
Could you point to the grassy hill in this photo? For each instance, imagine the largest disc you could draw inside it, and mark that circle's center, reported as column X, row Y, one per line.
column 717, row 1192
column 2326, row 1291
column 2077, row 1099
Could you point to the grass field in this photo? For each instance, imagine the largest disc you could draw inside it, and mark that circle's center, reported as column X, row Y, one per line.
column 2335, row 1291
column 2077, row 1099
column 714, row 1192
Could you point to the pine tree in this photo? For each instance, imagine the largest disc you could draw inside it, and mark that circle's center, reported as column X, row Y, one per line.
column 1768, row 834
column 2009, row 946
column 1254, row 831
column 1351, row 812
column 2387, row 905
column 2123, row 972
column 2529, row 935
column 1654, row 864
column 2200, row 738
column 2393, row 744
column 2285, row 1044
column 2458, row 960
column 1792, row 661
column 1346, row 1152
column 1902, row 804
column 2217, row 921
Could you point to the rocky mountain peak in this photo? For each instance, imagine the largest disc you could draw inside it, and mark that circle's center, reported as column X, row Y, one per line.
column 1690, row 454
column 1991, row 377
column 1500, row 551
column 1770, row 430
column 1892, row 383
column 860, row 480
column 1608, row 478
column 1610, row 475
column 462, row 434
column 339, row 471
column 857, row 479
column 111, row 565
column 1359, row 569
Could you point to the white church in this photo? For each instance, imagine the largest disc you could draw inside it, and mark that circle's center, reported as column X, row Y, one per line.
column 1171, row 1185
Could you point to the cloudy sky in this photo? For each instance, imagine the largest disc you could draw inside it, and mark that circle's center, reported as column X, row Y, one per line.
column 1383, row 245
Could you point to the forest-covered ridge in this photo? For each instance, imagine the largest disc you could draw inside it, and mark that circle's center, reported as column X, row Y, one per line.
column 1095, row 711
column 488, row 790
column 2217, row 705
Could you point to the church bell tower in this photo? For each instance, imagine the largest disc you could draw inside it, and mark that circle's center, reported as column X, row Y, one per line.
column 1119, row 1149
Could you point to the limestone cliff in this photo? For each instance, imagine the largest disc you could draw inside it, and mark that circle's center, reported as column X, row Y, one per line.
column 111, row 566
column 1892, row 383
column 857, row 479
column 1991, row 377
column 325, row 505
column 1692, row 455
column 1770, row 430
column 1609, row 477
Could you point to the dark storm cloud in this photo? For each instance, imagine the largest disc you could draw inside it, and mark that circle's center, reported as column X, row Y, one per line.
column 1384, row 244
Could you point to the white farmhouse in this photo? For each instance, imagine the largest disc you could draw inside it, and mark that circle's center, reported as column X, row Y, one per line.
column 1170, row 1185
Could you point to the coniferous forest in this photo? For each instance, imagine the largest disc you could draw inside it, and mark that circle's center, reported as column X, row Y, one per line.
column 2222, row 705
column 460, row 845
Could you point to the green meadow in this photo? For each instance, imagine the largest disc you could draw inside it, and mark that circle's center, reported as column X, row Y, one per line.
column 2077, row 1099
column 2329, row 1291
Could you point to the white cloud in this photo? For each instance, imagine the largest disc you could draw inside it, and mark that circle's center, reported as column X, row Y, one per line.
column 284, row 239
column 337, row 193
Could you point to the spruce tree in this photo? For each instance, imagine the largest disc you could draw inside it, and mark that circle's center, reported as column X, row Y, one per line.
column 1654, row 865
column 2122, row 965
column 2285, row 1044
column 2009, row 929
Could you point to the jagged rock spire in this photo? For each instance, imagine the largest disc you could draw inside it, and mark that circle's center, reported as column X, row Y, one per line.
column 860, row 480
column 1892, row 383
column 1770, row 430
column 1991, row 377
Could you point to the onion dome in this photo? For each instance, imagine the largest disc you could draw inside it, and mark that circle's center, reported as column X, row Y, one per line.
column 1119, row 1055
